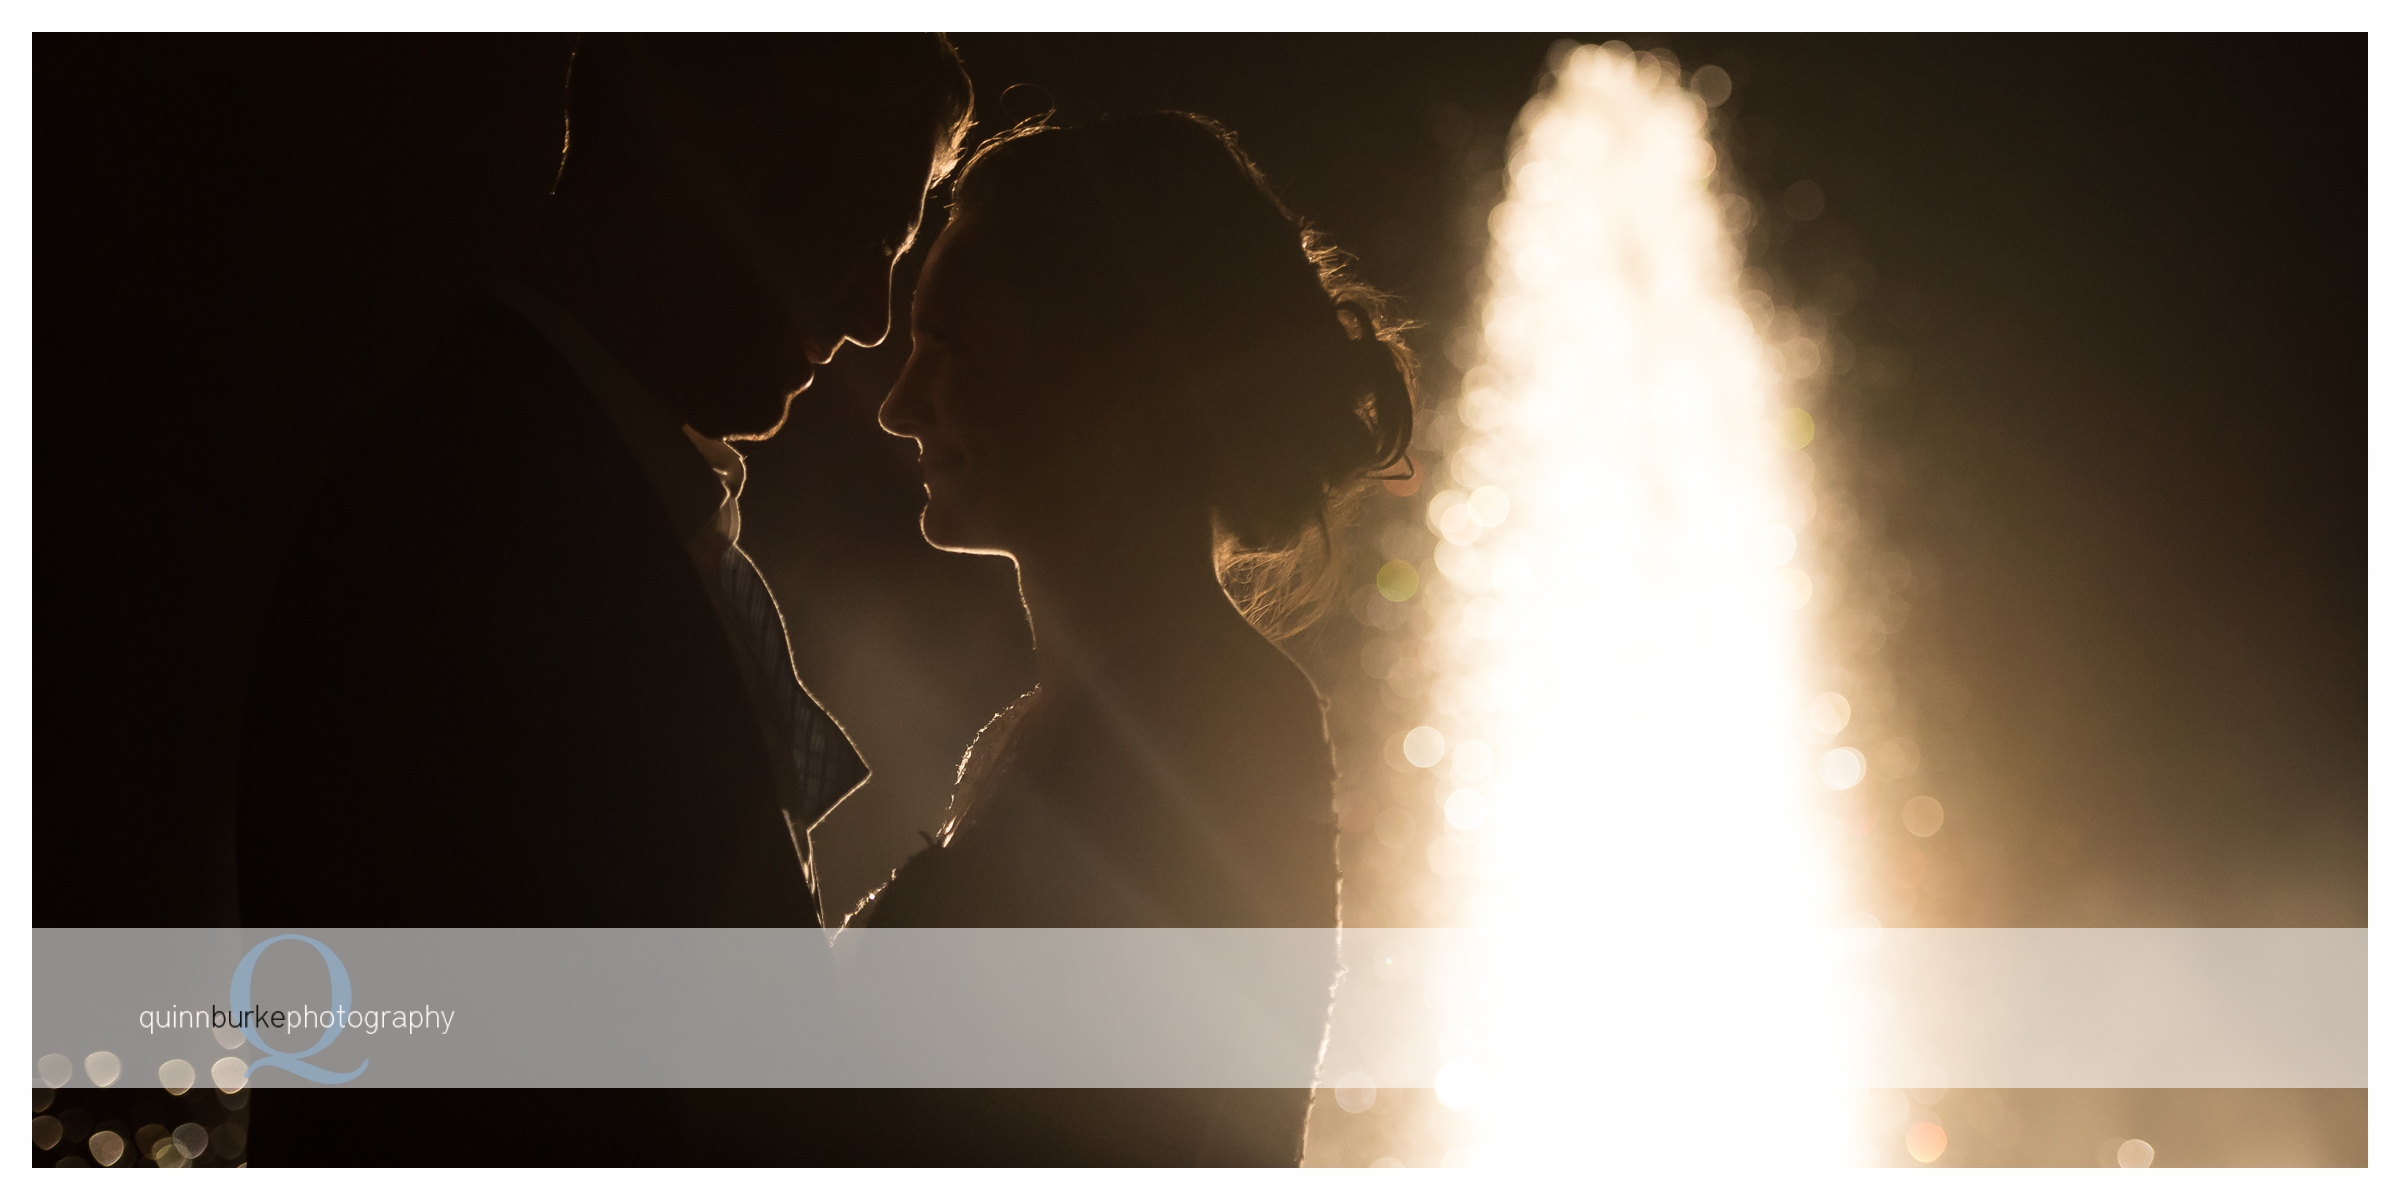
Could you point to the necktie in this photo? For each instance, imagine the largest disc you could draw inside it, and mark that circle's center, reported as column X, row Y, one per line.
column 823, row 761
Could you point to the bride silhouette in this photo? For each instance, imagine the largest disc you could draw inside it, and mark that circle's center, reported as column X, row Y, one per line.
column 1143, row 379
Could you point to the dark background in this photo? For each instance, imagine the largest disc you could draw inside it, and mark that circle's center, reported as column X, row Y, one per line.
column 2099, row 309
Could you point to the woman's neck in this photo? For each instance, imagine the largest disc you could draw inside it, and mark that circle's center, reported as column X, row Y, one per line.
column 1109, row 607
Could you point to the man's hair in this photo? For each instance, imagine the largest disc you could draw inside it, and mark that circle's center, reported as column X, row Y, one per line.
column 755, row 106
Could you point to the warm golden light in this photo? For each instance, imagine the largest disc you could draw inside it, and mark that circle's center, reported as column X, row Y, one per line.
column 1620, row 650
column 1926, row 1141
column 1922, row 816
column 107, row 1146
column 102, row 1068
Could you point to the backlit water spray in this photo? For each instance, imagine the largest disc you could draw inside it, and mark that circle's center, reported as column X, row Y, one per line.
column 1622, row 649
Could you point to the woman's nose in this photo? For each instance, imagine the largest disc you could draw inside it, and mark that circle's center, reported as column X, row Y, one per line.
column 903, row 412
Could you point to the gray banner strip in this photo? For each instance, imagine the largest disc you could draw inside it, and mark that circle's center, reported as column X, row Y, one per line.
column 1203, row 1007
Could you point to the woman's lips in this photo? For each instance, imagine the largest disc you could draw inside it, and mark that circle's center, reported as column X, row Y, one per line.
column 936, row 460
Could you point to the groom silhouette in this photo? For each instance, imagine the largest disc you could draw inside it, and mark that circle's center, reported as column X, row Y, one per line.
column 518, row 670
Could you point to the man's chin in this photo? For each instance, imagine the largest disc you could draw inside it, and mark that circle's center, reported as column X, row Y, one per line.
column 768, row 424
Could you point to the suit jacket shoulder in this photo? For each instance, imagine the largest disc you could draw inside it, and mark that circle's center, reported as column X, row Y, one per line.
column 491, row 689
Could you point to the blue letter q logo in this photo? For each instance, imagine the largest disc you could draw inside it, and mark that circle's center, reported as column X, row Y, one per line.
column 296, row 1063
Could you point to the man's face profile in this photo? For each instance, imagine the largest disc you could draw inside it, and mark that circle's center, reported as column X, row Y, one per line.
column 836, row 285
column 754, row 197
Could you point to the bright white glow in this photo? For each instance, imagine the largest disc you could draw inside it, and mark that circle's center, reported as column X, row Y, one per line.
column 1465, row 809
column 1842, row 768
column 1623, row 604
column 1829, row 713
column 1471, row 761
column 1423, row 746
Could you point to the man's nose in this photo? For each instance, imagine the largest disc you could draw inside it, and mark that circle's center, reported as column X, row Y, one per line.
column 865, row 310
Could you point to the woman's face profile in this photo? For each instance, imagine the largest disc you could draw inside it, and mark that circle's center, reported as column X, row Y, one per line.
column 990, row 403
column 960, row 397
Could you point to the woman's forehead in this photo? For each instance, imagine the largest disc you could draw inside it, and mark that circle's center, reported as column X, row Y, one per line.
column 960, row 279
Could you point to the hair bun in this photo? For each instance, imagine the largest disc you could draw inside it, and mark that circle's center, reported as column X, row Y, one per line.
column 1157, row 236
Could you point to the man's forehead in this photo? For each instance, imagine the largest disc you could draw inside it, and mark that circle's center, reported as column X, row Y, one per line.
column 879, row 157
column 881, row 207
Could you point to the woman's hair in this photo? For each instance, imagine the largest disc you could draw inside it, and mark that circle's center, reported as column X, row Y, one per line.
column 1279, row 376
